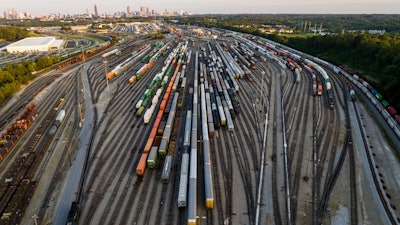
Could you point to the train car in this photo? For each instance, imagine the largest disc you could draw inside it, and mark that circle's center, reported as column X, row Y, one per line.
column 297, row 74
column 229, row 121
column 183, row 182
column 330, row 98
column 353, row 95
column 192, row 191
column 161, row 127
column 58, row 120
column 132, row 79
column 209, row 193
column 319, row 90
column 139, row 112
column 166, row 169
column 152, row 158
column 397, row 117
column 52, row 130
column 385, row 103
column 60, row 117
column 221, row 111
column 148, row 114
column 392, row 111
column 73, row 214
column 188, row 125
column 379, row 96
column 141, row 165
column 192, row 206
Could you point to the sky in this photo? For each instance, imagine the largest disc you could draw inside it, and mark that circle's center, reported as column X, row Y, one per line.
column 36, row 7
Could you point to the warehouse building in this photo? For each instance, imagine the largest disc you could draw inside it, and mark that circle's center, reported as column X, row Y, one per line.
column 35, row 44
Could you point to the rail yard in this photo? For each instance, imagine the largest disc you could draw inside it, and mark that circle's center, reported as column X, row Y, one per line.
column 226, row 129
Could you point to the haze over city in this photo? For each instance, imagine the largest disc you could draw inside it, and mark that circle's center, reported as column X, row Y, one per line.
column 209, row 6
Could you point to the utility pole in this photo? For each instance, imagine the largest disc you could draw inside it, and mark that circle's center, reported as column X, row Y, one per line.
column 83, row 56
column 262, row 88
column 34, row 217
column 80, row 112
column 67, row 149
column 105, row 68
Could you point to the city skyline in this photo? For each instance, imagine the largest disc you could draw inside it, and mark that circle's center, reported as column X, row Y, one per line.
column 209, row 6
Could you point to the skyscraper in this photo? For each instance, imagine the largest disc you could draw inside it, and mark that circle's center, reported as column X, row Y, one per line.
column 128, row 10
column 88, row 12
column 96, row 13
column 14, row 14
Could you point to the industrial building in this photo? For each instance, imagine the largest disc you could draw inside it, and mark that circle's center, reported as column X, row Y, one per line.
column 35, row 44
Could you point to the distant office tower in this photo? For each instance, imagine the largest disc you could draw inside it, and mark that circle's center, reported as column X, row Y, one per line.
column 141, row 10
column 14, row 14
column 88, row 12
column 5, row 14
column 96, row 13
column 148, row 11
column 128, row 10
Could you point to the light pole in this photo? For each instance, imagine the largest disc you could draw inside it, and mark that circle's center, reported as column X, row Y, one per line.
column 105, row 68
column 261, row 89
column 83, row 56
column 35, row 217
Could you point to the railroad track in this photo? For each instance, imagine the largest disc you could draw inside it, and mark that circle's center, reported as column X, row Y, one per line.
column 245, row 172
column 215, row 157
column 28, row 95
column 385, row 203
column 171, row 216
column 24, row 176
column 118, row 106
column 353, row 185
column 296, row 130
column 226, row 168
column 60, row 167
column 142, row 198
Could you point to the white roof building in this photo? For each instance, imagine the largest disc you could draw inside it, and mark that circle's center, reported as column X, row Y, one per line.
column 35, row 44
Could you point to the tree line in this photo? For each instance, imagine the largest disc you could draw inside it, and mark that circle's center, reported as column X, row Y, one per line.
column 329, row 23
column 374, row 57
column 15, row 75
column 13, row 33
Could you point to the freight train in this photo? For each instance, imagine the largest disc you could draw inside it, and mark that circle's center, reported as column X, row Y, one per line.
column 388, row 112
column 57, row 122
column 16, row 130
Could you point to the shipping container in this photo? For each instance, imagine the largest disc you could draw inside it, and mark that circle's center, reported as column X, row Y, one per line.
column 152, row 158
column 385, row 103
column 319, row 89
column 392, row 111
column 141, row 165
column 139, row 112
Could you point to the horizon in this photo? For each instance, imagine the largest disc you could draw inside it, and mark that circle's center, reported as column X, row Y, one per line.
column 205, row 7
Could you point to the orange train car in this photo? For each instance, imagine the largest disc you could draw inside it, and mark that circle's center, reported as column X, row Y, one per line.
column 142, row 164
column 319, row 89
column 148, row 145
